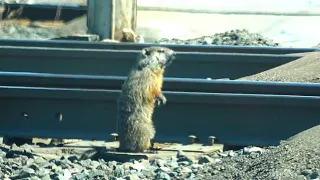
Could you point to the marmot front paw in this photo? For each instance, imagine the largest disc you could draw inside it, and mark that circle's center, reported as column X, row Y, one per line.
column 160, row 101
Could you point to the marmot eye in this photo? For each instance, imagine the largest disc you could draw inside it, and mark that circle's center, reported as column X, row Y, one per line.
column 161, row 51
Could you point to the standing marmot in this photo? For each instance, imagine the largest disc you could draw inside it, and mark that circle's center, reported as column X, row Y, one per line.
column 141, row 91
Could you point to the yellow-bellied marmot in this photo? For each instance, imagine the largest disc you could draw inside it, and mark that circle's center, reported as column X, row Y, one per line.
column 141, row 92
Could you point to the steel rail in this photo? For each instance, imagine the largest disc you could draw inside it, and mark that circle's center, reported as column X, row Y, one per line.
column 170, row 84
column 139, row 46
column 238, row 119
column 118, row 62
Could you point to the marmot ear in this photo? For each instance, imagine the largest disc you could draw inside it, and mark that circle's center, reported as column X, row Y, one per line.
column 146, row 51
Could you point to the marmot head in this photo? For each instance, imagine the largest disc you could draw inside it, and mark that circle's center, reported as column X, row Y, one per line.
column 156, row 56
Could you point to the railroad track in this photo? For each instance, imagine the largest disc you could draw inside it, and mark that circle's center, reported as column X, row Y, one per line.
column 135, row 46
column 59, row 92
column 189, row 64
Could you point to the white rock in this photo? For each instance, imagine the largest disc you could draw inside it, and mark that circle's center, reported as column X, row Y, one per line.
column 186, row 170
column 165, row 169
column 67, row 174
column 231, row 153
column 250, row 150
column 138, row 166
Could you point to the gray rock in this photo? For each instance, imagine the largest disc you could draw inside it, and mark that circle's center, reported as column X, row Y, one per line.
column 186, row 170
column 127, row 165
column 80, row 176
column 23, row 160
column 215, row 155
column 41, row 172
column 118, row 171
column 35, row 167
column 183, row 157
column 215, row 172
column 60, row 177
column 184, row 163
column 30, row 161
column 306, row 172
column 26, row 173
column 62, row 164
column 27, row 148
column 165, row 169
column 112, row 164
column 12, row 154
column 163, row 176
column 232, row 153
column 40, row 161
column 85, row 163
column 158, row 162
column 173, row 174
column 132, row 177
column 191, row 176
column 205, row 159
column 148, row 173
column 48, row 165
column 1, row 175
column 96, row 174
column 8, row 170
column 73, row 159
column 173, row 164
column 94, row 164
column 46, row 177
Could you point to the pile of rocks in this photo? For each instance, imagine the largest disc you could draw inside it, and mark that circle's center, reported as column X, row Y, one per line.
column 20, row 163
column 232, row 37
column 304, row 69
column 298, row 158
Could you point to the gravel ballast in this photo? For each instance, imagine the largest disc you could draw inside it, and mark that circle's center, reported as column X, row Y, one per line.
column 305, row 69
column 296, row 158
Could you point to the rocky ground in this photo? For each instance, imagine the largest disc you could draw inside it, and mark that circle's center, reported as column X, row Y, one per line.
column 297, row 158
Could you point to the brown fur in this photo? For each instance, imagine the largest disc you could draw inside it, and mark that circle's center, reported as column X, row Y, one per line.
column 141, row 92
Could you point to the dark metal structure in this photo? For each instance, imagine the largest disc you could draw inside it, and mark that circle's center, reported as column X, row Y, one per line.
column 170, row 84
column 71, row 93
column 238, row 119
column 135, row 46
column 118, row 62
